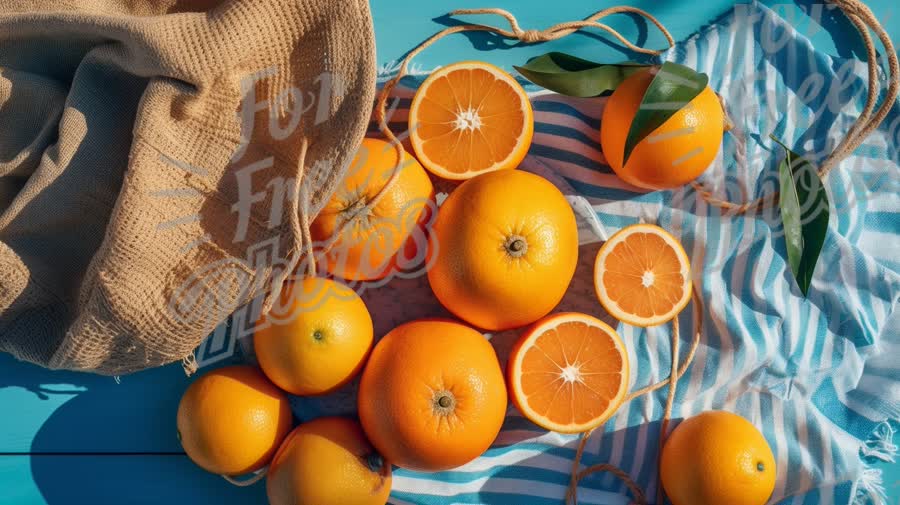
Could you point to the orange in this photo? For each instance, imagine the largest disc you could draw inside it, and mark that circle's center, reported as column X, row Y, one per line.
column 316, row 340
column 432, row 396
column 328, row 461
column 642, row 275
column 231, row 420
column 716, row 458
column 470, row 118
column 503, row 249
column 672, row 155
column 367, row 238
column 568, row 373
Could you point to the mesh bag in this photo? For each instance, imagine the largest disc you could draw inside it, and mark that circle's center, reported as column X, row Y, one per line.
column 147, row 149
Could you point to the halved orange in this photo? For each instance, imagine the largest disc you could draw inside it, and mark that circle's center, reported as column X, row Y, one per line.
column 470, row 118
column 568, row 373
column 642, row 275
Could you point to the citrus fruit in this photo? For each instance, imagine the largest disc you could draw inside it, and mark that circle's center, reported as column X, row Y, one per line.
column 232, row 419
column 642, row 275
column 470, row 118
column 316, row 340
column 568, row 373
column 432, row 395
column 677, row 152
column 503, row 249
column 368, row 237
column 328, row 461
column 715, row 458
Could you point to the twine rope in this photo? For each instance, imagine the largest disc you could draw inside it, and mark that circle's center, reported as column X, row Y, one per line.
column 856, row 11
column 672, row 381
column 862, row 18
column 257, row 476
column 300, row 228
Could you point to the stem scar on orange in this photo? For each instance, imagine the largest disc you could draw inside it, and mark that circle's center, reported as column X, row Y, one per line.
column 328, row 461
column 317, row 339
column 716, row 458
column 503, row 249
column 367, row 238
column 432, row 396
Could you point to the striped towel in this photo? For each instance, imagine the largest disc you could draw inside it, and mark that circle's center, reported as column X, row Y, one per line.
column 818, row 375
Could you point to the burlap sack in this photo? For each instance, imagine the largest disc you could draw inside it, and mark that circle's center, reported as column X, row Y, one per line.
column 137, row 206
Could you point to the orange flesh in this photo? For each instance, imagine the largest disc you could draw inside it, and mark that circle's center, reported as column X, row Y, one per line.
column 639, row 260
column 469, row 120
column 555, row 356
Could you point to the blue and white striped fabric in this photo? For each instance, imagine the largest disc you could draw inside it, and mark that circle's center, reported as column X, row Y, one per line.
column 818, row 374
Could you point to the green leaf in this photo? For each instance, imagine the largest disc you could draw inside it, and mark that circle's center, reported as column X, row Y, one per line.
column 573, row 76
column 804, row 214
column 671, row 89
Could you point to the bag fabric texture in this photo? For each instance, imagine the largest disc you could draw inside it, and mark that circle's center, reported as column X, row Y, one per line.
column 147, row 149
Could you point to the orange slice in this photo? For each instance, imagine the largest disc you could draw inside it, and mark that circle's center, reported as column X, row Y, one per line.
column 470, row 118
column 568, row 373
column 642, row 275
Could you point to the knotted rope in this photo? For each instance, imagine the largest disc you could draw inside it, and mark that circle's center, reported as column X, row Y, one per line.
column 677, row 372
column 862, row 18
column 856, row 11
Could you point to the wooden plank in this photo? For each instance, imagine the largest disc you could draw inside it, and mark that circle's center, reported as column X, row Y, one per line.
column 116, row 480
column 52, row 411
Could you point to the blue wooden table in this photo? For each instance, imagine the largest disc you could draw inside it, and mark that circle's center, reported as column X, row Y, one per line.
column 72, row 438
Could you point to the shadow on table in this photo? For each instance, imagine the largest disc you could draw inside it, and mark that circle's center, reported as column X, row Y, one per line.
column 39, row 381
column 112, row 443
column 134, row 479
column 846, row 39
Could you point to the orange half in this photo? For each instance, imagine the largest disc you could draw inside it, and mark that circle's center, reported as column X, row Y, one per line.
column 470, row 118
column 568, row 373
column 643, row 276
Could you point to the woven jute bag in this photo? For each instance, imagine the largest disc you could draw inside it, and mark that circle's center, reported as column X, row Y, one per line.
column 155, row 156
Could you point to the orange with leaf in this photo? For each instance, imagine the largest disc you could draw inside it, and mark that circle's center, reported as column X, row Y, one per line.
column 669, row 155
column 661, row 127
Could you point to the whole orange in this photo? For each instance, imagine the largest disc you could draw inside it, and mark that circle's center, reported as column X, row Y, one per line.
column 716, row 458
column 367, row 238
column 316, row 340
column 328, row 461
column 432, row 396
column 231, row 420
column 503, row 249
column 672, row 155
